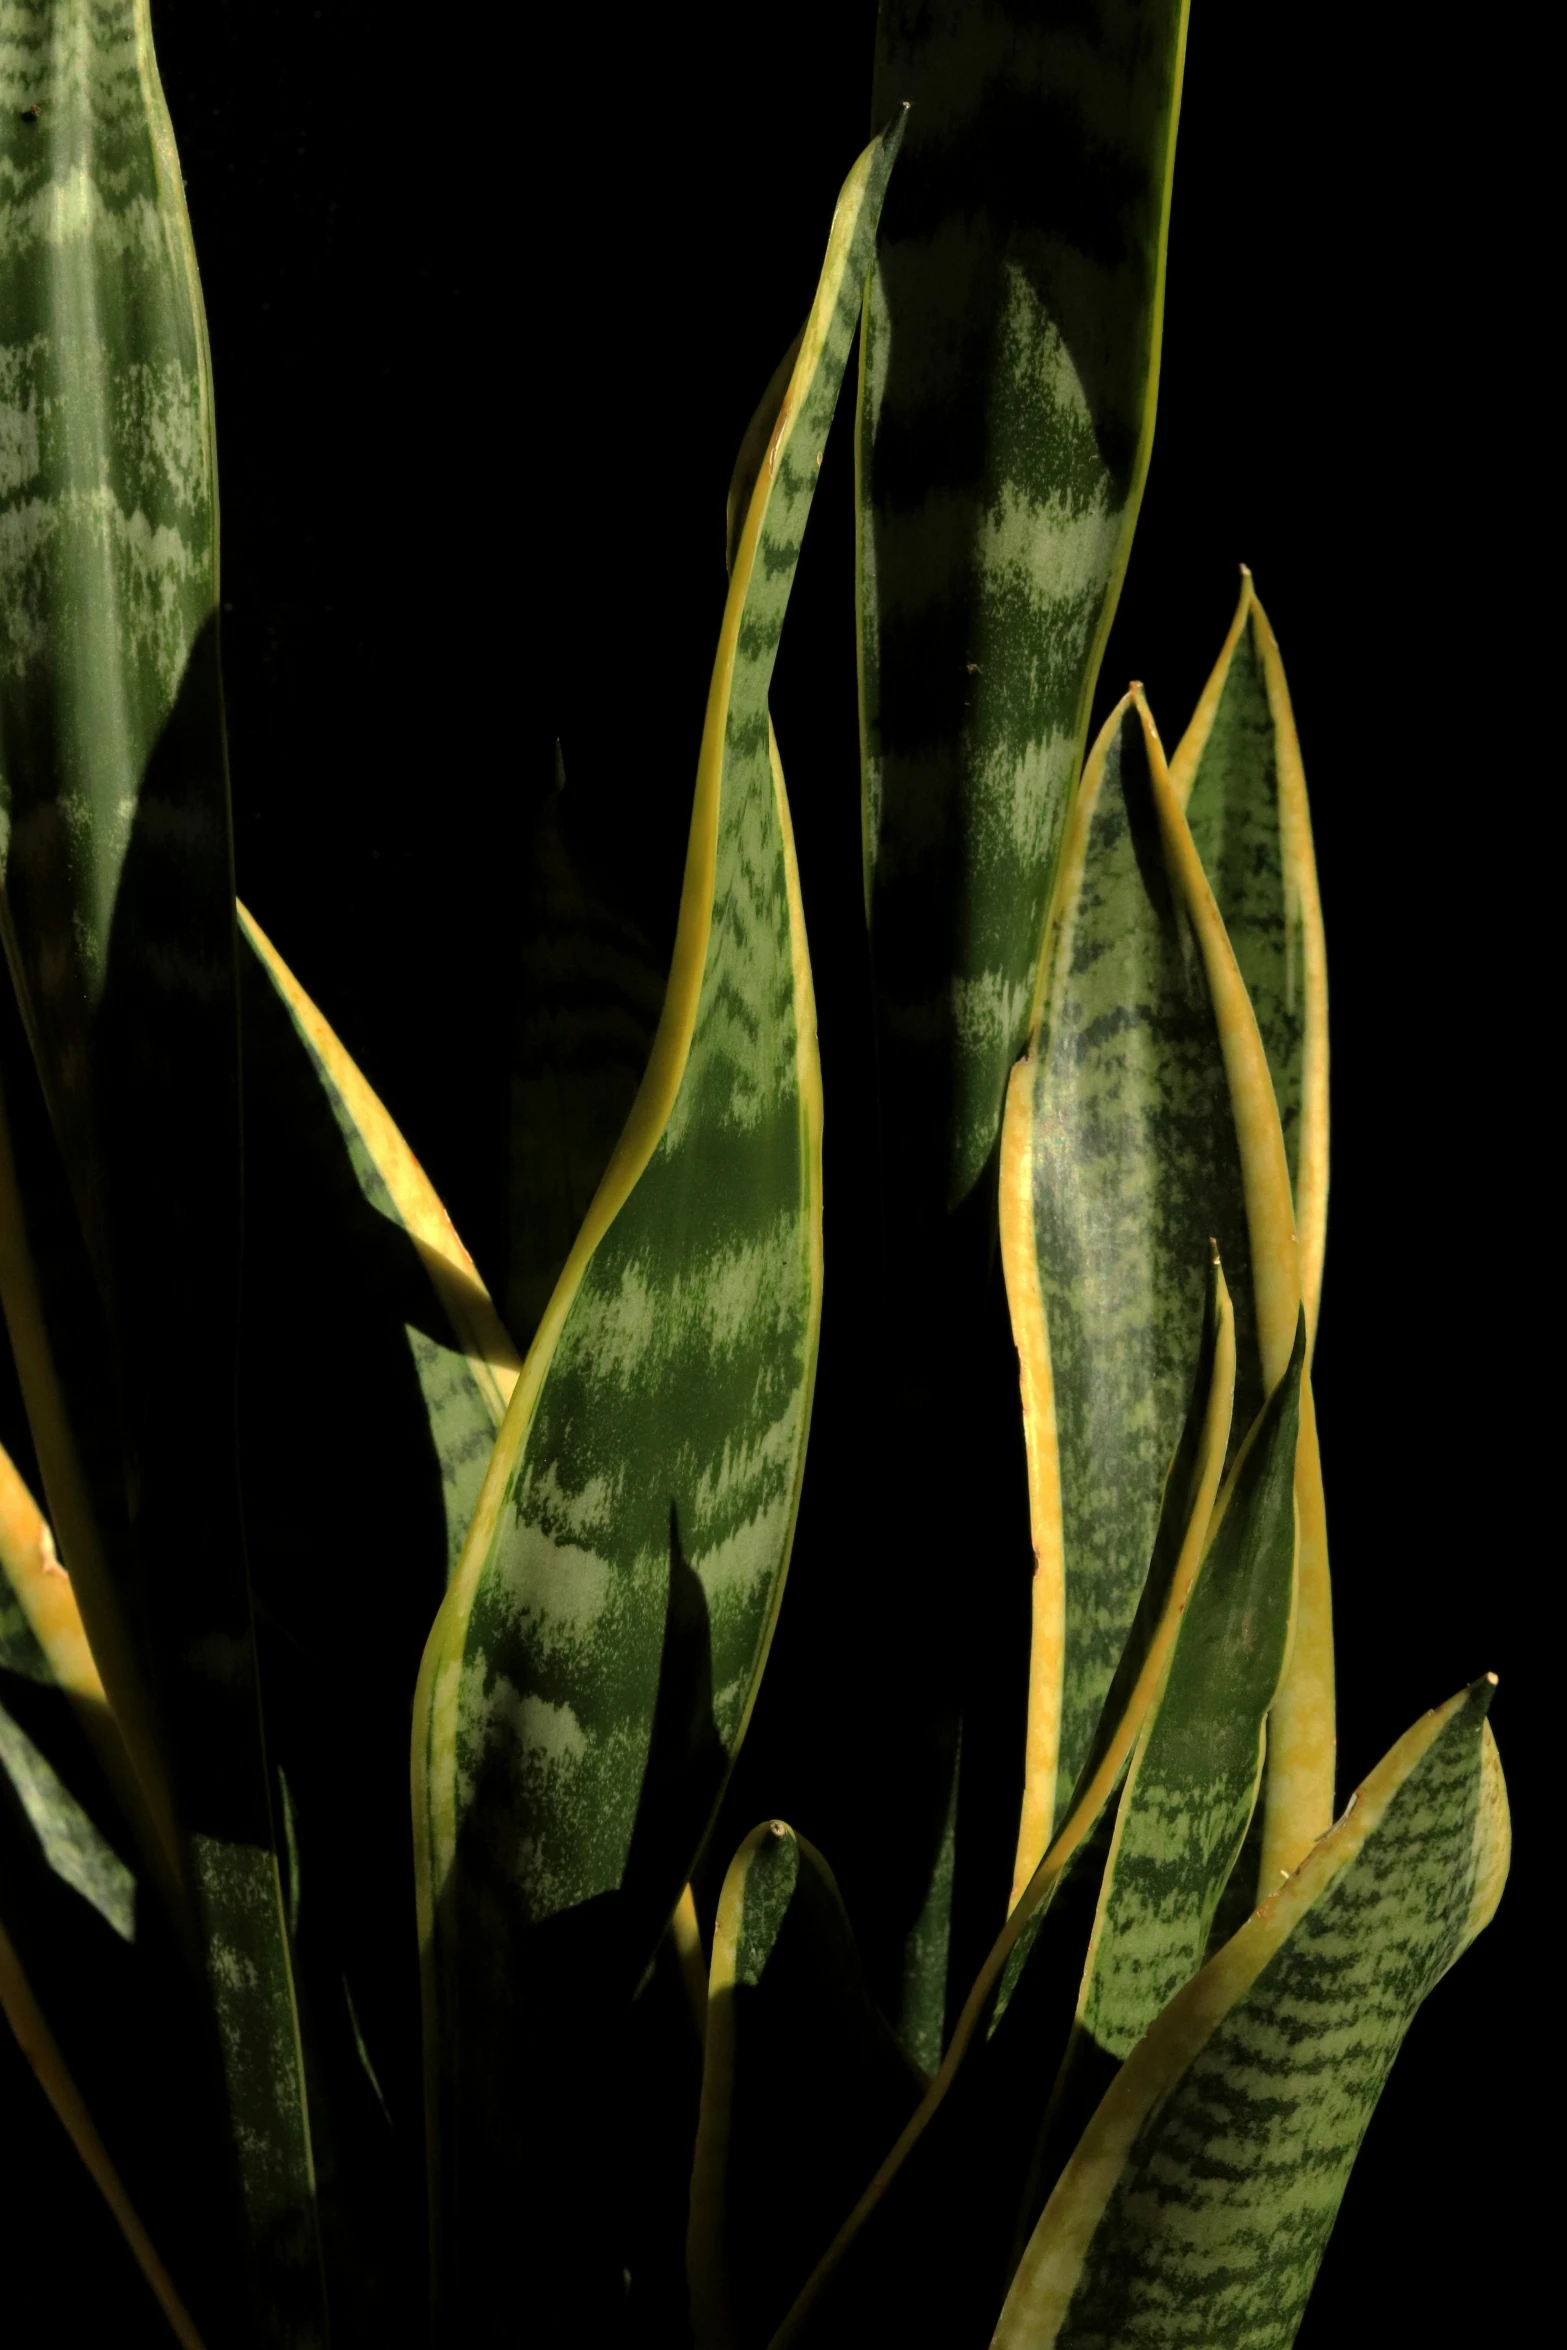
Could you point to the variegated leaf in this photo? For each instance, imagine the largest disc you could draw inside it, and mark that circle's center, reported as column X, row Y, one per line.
column 793, row 2038
column 1120, row 1169
column 1011, row 359
column 1198, row 2203
column 596, row 1658
column 1238, row 771
column 119, row 932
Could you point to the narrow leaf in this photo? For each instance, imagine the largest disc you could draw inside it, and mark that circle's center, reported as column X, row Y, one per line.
column 1238, row 771
column 595, row 1661
column 797, row 2057
column 1198, row 2204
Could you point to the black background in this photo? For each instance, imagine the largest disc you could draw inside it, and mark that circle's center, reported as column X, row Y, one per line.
column 491, row 302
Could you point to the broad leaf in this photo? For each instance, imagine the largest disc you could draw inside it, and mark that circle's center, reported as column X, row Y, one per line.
column 1198, row 2203
column 596, row 1658
column 803, row 2090
column 118, row 924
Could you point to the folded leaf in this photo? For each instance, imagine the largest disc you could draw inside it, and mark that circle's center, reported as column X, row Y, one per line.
column 1198, row 2203
column 1120, row 1170
column 595, row 1661
column 798, row 2058
column 118, row 925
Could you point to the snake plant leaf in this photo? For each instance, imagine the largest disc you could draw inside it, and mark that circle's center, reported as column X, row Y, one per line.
column 1009, row 371
column 1238, row 771
column 118, row 923
column 1121, row 1168
column 797, row 2057
column 959, row 2166
column 590, row 989
column 408, row 1259
column 1198, row 2203
column 1193, row 1779
column 596, row 1657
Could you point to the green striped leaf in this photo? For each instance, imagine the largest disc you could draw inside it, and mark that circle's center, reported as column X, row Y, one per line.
column 797, row 2057
column 1198, row 2203
column 1010, row 365
column 1238, row 772
column 1194, row 1776
column 595, row 1661
column 958, row 2169
column 118, row 924
column 1121, row 1168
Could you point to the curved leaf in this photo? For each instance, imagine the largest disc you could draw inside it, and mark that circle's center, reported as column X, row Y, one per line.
column 1198, row 2203
column 595, row 1661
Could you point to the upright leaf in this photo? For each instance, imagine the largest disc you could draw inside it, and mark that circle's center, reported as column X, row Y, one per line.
column 1120, row 1169
column 118, row 925
column 596, row 1658
column 1010, row 365
column 1238, row 771
column 1198, row 2203
column 803, row 2089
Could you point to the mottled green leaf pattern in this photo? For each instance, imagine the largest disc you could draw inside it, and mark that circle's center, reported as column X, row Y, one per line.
column 1011, row 357
column 1120, row 1170
column 1193, row 1780
column 792, row 2039
column 1238, row 770
column 1197, row 2206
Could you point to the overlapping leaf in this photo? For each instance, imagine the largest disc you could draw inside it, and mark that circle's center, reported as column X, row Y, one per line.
column 804, row 2088
column 1238, row 773
column 596, row 1658
column 1121, row 1167
column 119, row 931
column 1198, row 2203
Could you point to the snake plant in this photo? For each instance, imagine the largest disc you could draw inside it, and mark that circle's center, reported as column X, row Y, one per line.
column 387, row 1910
